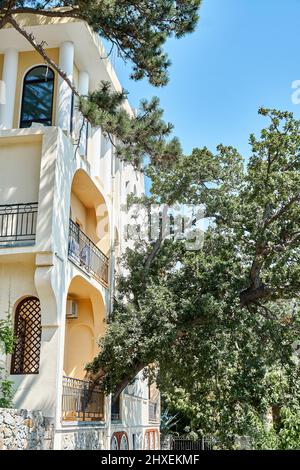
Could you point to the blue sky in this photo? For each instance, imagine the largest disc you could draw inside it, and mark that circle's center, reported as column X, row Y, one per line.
column 243, row 55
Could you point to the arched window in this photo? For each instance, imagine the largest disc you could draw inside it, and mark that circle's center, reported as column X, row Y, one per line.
column 28, row 331
column 114, row 443
column 37, row 99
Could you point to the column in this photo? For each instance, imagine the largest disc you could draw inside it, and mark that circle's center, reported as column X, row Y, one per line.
column 83, row 83
column 64, row 92
column 8, row 88
column 96, row 151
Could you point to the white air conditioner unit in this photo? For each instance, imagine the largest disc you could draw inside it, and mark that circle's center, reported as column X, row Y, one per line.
column 72, row 309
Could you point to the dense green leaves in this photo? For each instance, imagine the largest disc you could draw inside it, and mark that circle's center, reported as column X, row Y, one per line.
column 6, row 347
column 221, row 321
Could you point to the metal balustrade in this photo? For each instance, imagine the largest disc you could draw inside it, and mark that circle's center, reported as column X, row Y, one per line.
column 82, row 400
column 18, row 224
column 85, row 254
column 187, row 445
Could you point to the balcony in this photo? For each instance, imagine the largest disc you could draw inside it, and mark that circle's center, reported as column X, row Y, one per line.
column 81, row 401
column 153, row 411
column 86, row 255
column 18, row 224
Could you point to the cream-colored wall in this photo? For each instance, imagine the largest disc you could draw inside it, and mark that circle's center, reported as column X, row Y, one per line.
column 21, row 159
column 85, row 194
column 82, row 333
column 91, row 226
column 27, row 60
column 16, row 282
column 85, row 217
column 79, row 341
column 78, row 211
column 1, row 65
column 81, row 336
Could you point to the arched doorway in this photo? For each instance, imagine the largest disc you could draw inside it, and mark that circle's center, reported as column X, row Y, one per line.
column 85, row 324
column 89, row 239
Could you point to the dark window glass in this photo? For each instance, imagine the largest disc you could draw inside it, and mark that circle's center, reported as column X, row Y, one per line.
column 115, row 408
column 37, row 100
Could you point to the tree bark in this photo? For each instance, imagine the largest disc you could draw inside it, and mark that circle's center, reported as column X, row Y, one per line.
column 254, row 294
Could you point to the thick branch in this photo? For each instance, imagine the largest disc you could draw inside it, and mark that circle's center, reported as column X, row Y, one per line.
column 150, row 258
column 253, row 295
column 284, row 209
column 98, row 377
column 140, row 365
column 157, row 245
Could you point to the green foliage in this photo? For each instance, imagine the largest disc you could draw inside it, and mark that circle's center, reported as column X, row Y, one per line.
column 283, row 436
column 289, row 434
column 221, row 321
column 6, row 347
column 6, row 393
column 6, row 335
column 138, row 137
column 138, row 29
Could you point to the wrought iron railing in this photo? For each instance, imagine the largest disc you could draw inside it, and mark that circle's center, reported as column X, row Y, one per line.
column 18, row 224
column 204, row 443
column 84, row 253
column 153, row 411
column 82, row 401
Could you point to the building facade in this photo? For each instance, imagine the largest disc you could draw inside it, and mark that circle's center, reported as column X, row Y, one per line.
column 61, row 235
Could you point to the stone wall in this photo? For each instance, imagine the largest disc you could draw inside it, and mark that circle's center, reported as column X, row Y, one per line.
column 24, row 430
column 91, row 438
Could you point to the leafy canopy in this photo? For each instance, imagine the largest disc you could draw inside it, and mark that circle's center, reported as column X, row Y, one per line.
column 220, row 321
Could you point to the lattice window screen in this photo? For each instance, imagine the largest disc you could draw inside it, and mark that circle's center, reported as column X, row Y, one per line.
column 28, row 331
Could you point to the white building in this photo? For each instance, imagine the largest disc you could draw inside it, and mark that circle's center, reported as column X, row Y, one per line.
column 61, row 232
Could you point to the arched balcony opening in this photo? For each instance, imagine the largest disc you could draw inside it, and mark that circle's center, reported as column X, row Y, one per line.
column 85, row 324
column 89, row 239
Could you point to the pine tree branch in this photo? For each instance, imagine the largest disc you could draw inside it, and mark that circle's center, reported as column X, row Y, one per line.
column 52, row 13
column 6, row 11
column 40, row 49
